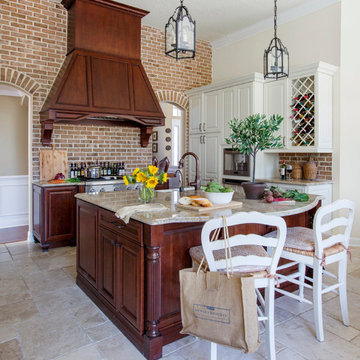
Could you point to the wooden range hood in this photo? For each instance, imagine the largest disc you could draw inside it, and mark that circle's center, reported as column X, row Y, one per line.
column 102, row 80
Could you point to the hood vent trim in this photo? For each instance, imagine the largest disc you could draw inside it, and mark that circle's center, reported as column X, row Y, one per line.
column 99, row 88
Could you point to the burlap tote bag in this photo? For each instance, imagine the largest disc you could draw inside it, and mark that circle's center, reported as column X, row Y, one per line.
column 220, row 307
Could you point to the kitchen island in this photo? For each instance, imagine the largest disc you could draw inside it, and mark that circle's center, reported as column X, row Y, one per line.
column 131, row 271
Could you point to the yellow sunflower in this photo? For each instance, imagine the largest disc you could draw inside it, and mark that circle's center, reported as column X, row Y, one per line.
column 164, row 178
column 135, row 171
column 152, row 182
column 153, row 169
column 140, row 177
column 126, row 181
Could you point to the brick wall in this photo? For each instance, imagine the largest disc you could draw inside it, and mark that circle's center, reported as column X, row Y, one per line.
column 33, row 45
column 324, row 160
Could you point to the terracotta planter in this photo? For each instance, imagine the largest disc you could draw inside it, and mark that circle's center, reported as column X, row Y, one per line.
column 253, row 191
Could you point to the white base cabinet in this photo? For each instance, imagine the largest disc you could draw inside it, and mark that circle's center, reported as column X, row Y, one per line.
column 321, row 189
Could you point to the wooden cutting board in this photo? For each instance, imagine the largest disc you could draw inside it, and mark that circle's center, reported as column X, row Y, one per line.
column 230, row 205
column 52, row 162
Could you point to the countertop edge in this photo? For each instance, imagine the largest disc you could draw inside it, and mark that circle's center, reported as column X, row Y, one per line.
column 297, row 182
column 98, row 182
column 205, row 217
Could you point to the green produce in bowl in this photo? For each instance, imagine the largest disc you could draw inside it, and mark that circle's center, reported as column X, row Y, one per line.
column 215, row 187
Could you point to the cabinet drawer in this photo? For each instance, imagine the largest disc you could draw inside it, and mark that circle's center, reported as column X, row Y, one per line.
column 132, row 230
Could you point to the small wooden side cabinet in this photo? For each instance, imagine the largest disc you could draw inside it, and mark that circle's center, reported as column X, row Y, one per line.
column 54, row 215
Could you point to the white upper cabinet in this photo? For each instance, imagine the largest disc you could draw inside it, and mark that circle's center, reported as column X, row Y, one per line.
column 310, row 108
column 229, row 108
column 305, row 101
column 195, row 112
column 212, row 112
column 244, row 101
column 275, row 95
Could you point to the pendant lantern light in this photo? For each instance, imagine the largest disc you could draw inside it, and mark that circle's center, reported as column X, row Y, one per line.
column 180, row 41
column 276, row 57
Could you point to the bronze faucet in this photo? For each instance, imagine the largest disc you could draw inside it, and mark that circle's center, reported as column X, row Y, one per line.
column 195, row 183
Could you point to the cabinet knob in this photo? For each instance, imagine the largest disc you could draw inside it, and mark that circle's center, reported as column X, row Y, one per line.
column 118, row 245
column 204, row 139
column 200, row 126
column 204, row 127
column 113, row 242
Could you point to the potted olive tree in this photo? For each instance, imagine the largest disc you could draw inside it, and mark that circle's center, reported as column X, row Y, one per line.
column 250, row 135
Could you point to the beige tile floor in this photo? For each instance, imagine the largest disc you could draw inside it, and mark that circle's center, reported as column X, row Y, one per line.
column 44, row 315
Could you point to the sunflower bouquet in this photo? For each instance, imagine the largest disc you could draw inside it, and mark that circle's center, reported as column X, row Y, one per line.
column 149, row 177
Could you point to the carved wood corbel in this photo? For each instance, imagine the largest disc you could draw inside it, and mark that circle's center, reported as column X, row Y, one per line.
column 46, row 132
column 145, row 134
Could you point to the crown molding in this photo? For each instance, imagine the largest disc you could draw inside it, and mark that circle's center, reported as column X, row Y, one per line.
column 319, row 66
column 283, row 18
column 253, row 77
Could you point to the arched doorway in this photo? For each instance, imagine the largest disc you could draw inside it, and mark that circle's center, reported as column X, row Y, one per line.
column 169, row 140
column 15, row 163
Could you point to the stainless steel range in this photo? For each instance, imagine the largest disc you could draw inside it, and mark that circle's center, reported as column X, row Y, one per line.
column 106, row 183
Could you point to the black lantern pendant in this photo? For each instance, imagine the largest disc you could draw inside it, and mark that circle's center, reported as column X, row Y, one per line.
column 180, row 39
column 276, row 57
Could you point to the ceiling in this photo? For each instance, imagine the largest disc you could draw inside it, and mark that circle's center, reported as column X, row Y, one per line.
column 216, row 19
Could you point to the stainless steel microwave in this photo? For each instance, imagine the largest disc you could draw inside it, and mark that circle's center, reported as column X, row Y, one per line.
column 236, row 163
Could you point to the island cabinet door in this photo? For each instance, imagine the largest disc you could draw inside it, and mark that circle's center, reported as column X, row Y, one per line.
column 130, row 274
column 107, row 265
column 86, row 244
column 60, row 213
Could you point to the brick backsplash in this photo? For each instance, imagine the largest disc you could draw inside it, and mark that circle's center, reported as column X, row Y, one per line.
column 32, row 49
column 324, row 162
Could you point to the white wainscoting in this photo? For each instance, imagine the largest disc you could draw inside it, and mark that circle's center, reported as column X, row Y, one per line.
column 14, row 201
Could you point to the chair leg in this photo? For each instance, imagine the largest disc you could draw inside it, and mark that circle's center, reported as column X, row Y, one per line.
column 317, row 300
column 270, row 331
column 342, row 290
column 213, row 351
column 302, row 269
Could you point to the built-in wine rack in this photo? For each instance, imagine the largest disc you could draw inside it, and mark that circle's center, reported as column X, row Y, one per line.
column 302, row 113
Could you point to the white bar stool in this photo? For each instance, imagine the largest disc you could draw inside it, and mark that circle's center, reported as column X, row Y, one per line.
column 248, row 256
column 325, row 244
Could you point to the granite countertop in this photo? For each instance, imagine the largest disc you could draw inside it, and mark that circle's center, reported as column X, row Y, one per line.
column 97, row 182
column 297, row 182
column 46, row 184
column 114, row 201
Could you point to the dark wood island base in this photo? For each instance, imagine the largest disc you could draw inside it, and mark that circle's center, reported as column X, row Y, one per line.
column 131, row 270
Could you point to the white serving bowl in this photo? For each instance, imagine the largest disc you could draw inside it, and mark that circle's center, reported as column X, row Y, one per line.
column 219, row 198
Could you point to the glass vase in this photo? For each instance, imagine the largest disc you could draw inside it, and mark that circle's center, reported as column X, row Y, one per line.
column 146, row 194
